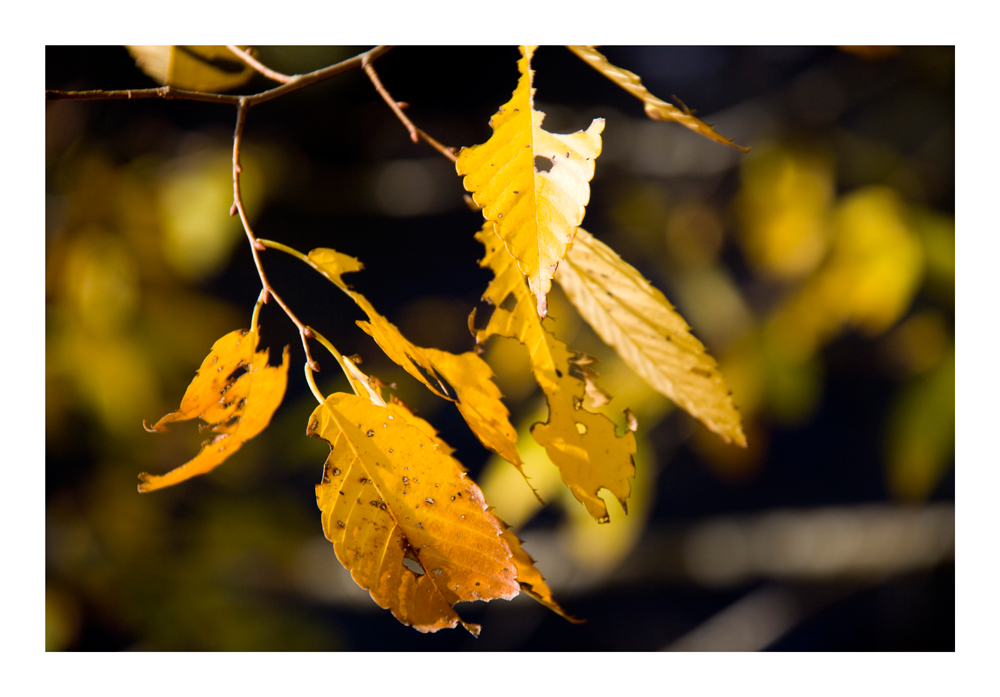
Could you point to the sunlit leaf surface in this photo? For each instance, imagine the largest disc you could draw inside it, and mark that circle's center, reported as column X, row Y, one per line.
column 391, row 492
column 582, row 444
column 465, row 379
column 235, row 392
column 534, row 211
column 639, row 322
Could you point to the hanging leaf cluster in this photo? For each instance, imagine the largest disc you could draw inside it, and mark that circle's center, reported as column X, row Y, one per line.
column 401, row 512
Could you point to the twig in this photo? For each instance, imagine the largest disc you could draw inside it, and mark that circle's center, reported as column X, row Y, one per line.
column 255, row 245
column 296, row 82
column 443, row 149
column 247, row 58
column 165, row 92
column 415, row 133
column 393, row 104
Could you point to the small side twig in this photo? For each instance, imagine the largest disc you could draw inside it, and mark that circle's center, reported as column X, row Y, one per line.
column 393, row 104
column 415, row 133
column 247, row 58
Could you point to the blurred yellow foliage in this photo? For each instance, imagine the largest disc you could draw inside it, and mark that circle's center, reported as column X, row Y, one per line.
column 784, row 207
column 868, row 280
column 195, row 194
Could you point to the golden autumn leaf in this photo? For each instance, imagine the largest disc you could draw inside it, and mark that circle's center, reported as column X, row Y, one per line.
column 582, row 444
column 530, row 578
column 655, row 107
column 465, row 379
column 199, row 68
column 235, row 392
column 534, row 212
column 638, row 321
column 391, row 491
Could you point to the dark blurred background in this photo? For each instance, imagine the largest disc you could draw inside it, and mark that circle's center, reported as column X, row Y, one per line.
column 818, row 269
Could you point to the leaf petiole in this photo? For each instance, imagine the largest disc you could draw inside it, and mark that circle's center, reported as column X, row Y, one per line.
column 286, row 249
column 312, row 383
column 256, row 311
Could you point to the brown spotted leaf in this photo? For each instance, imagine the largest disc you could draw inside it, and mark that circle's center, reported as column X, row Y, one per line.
column 655, row 107
column 639, row 322
column 581, row 443
column 235, row 392
column 390, row 492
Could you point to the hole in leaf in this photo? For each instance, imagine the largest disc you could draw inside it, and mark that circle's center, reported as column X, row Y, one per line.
column 542, row 164
column 413, row 566
column 237, row 373
column 509, row 302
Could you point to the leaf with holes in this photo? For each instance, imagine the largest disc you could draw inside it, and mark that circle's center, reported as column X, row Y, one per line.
column 534, row 212
column 656, row 108
column 235, row 392
column 391, row 492
column 582, row 444
column 465, row 379
column 199, row 68
column 639, row 322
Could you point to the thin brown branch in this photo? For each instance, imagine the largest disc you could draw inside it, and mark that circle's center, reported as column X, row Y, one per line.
column 296, row 82
column 165, row 92
column 393, row 104
column 300, row 81
column 247, row 58
column 255, row 246
column 443, row 149
column 397, row 108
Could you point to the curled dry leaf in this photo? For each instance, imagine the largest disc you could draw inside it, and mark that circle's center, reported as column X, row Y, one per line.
column 199, row 68
column 391, row 491
column 655, row 107
column 465, row 379
column 639, row 322
column 534, row 212
column 235, row 392
column 582, row 444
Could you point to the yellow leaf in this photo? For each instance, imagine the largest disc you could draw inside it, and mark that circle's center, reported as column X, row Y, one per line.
column 391, row 492
column 200, row 68
column 655, row 107
column 868, row 280
column 529, row 578
column 235, row 392
column 534, row 212
column 582, row 444
column 465, row 379
column 637, row 321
